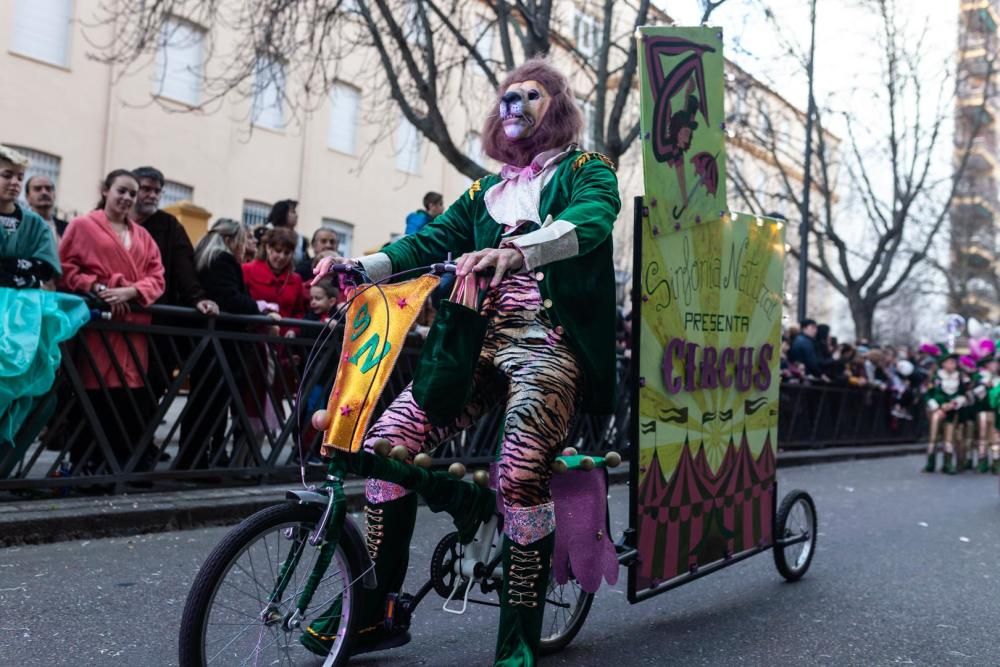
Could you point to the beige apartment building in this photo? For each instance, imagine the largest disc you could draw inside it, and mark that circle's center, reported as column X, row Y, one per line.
column 350, row 166
column 78, row 119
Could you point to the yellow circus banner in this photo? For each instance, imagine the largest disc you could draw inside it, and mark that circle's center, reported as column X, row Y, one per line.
column 376, row 326
column 707, row 328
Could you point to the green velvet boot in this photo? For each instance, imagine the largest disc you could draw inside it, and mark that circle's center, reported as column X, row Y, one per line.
column 948, row 467
column 984, row 465
column 522, row 602
column 931, row 462
column 389, row 527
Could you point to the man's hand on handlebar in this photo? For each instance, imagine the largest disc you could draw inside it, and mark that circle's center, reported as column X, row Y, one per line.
column 501, row 260
column 329, row 265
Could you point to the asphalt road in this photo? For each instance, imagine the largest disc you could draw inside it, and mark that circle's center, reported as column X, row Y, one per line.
column 906, row 572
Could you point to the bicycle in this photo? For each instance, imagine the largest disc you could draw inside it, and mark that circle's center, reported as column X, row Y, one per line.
column 305, row 563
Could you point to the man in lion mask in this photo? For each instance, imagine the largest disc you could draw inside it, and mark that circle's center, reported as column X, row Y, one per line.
column 543, row 224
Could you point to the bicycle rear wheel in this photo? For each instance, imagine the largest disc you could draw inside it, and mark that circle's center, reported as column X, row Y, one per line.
column 566, row 609
column 229, row 617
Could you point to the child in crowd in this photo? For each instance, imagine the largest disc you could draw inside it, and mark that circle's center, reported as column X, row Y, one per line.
column 323, row 296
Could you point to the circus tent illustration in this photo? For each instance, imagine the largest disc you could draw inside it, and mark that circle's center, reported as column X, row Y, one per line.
column 701, row 516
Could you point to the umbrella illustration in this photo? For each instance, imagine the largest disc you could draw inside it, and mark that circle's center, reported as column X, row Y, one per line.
column 707, row 169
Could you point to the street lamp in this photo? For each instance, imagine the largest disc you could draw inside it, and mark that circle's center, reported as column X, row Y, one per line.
column 807, row 178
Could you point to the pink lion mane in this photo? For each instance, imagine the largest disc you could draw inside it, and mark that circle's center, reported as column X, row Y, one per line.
column 560, row 127
column 967, row 362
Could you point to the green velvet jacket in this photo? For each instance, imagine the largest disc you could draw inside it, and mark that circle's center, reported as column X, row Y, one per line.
column 578, row 291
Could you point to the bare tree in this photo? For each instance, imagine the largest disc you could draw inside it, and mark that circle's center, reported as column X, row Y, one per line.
column 420, row 52
column 892, row 187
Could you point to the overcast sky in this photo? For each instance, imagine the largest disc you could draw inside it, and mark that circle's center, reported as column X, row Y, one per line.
column 848, row 67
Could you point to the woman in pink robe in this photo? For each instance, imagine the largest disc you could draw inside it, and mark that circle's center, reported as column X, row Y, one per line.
column 106, row 254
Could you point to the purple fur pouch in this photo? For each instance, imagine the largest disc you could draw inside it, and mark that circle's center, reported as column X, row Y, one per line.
column 583, row 545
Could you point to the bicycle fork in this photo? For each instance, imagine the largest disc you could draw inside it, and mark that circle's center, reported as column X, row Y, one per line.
column 325, row 535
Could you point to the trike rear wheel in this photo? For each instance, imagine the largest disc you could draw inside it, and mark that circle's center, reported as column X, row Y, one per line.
column 228, row 618
column 795, row 535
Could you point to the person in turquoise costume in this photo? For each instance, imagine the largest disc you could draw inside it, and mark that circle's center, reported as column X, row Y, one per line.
column 28, row 256
column 33, row 318
column 944, row 399
column 543, row 225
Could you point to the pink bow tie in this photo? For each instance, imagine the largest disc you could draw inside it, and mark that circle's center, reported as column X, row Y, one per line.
column 509, row 171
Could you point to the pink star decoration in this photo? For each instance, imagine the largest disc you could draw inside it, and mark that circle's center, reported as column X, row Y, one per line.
column 401, row 302
column 345, row 410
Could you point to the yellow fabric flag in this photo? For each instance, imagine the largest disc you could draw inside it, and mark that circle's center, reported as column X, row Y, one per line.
column 377, row 323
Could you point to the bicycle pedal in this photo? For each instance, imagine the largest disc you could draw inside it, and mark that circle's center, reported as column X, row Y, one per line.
column 398, row 611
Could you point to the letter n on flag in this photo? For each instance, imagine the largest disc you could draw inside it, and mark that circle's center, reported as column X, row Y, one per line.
column 375, row 329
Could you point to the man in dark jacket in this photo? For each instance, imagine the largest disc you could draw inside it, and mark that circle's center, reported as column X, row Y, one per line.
column 804, row 349
column 324, row 241
column 40, row 192
column 175, row 247
column 182, row 288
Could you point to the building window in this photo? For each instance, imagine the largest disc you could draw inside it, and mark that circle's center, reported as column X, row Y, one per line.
column 255, row 212
column 343, row 131
column 587, row 138
column 587, row 33
column 176, row 192
column 179, row 62
column 407, row 147
column 268, row 94
column 41, row 30
column 39, row 163
column 345, row 235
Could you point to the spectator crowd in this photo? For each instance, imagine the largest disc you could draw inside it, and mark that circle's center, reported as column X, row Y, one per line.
column 810, row 355
column 128, row 254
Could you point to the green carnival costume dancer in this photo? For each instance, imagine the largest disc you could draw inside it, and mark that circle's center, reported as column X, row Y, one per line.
column 944, row 398
column 544, row 224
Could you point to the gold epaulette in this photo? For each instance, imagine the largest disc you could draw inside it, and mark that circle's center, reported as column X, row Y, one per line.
column 474, row 188
column 586, row 157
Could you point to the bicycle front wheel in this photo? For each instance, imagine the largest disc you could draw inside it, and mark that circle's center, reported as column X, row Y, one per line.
column 241, row 607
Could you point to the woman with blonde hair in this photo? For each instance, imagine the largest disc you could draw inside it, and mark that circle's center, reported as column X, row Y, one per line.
column 217, row 260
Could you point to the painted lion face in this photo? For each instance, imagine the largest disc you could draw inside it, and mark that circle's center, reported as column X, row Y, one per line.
column 522, row 108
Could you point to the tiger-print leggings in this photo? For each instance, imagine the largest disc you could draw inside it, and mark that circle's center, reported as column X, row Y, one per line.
column 524, row 358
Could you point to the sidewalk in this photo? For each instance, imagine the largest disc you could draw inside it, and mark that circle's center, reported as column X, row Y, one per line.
column 60, row 519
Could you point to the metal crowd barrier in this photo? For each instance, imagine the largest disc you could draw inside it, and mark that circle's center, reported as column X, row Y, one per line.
column 815, row 415
column 216, row 402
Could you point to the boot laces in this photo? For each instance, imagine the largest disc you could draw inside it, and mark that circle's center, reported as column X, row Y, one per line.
column 374, row 530
column 525, row 569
